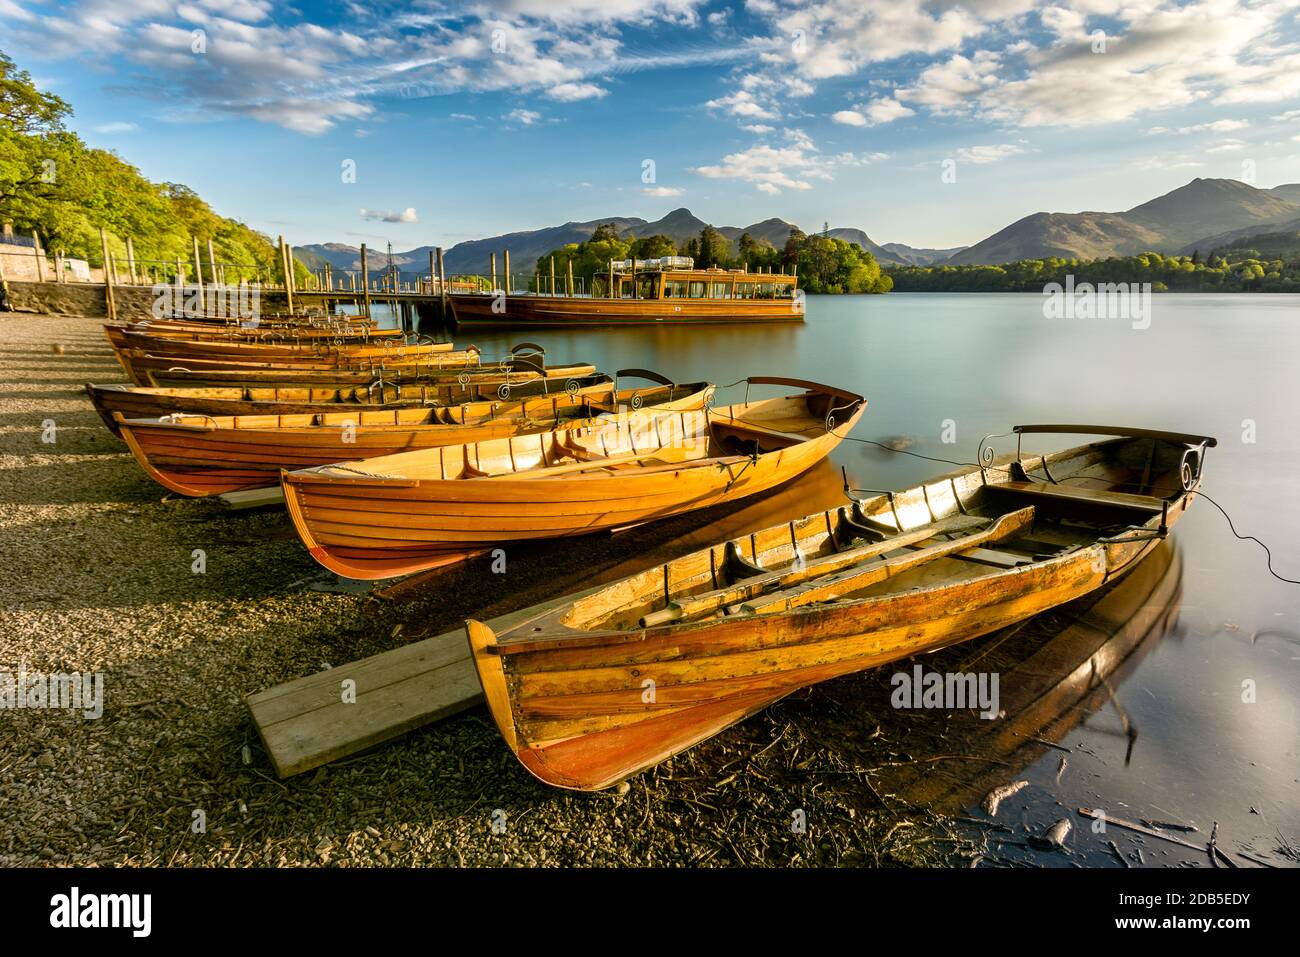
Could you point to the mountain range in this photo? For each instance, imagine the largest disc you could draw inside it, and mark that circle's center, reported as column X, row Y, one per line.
column 1202, row 215
column 1193, row 217
column 525, row 247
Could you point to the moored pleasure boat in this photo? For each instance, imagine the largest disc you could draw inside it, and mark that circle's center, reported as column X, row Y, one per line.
column 641, row 292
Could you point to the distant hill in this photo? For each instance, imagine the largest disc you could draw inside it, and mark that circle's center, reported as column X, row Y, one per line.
column 1276, row 241
column 1165, row 224
column 911, row 255
column 1289, row 191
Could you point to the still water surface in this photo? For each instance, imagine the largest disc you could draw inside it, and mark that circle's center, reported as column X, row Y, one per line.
column 975, row 364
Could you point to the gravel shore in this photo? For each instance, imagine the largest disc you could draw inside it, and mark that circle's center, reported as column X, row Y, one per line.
column 96, row 576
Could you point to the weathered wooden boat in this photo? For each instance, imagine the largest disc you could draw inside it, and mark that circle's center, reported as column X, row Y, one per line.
column 418, row 510
column 641, row 292
column 617, row 681
column 143, row 402
column 121, row 338
column 208, row 455
column 335, row 332
column 504, row 376
column 151, row 368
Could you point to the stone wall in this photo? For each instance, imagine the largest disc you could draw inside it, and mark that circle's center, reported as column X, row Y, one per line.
column 87, row 299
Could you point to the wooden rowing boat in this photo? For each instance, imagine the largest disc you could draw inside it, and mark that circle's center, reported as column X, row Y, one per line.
column 418, row 510
column 207, row 455
column 145, row 402
column 337, row 333
column 609, row 685
column 157, row 373
column 201, row 346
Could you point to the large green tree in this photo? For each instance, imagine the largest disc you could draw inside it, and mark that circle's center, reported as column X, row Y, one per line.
column 52, row 183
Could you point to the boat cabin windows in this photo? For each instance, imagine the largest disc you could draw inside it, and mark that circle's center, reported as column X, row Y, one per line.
column 687, row 285
column 644, row 287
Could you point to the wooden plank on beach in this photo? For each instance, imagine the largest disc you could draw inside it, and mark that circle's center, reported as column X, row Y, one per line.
column 306, row 723
column 252, row 498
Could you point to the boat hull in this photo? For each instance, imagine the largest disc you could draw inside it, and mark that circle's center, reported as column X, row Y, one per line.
column 202, row 455
column 593, row 692
column 146, row 402
column 383, row 526
column 516, row 312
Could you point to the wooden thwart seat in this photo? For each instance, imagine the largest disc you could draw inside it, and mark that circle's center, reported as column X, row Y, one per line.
column 1071, row 493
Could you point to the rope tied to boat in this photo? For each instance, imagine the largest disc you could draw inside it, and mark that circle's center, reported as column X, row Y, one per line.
column 986, row 464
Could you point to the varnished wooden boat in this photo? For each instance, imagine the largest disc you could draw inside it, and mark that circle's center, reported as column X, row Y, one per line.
column 497, row 376
column 615, row 682
column 418, row 510
column 206, row 346
column 150, row 368
column 335, row 332
column 207, row 455
column 641, row 292
column 143, row 402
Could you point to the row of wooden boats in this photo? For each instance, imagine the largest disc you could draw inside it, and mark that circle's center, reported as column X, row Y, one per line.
column 382, row 483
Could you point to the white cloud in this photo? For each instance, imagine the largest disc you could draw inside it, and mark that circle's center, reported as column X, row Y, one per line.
column 758, row 128
column 883, row 109
column 662, row 191
column 526, row 117
column 390, row 216
column 117, row 126
column 795, row 165
column 955, row 84
column 1167, row 163
column 743, row 103
column 987, row 60
column 571, row 92
column 1226, row 146
column 1216, row 126
column 276, row 69
column 989, row 154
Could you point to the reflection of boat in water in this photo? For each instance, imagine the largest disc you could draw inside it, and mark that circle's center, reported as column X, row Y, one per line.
column 1056, row 674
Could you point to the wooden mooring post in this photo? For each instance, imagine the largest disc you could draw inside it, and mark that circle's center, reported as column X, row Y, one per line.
column 198, row 277
column 130, row 260
column 365, row 280
column 110, row 305
column 40, row 256
column 442, row 286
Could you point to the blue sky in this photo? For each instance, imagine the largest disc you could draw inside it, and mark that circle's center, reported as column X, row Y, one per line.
column 471, row 119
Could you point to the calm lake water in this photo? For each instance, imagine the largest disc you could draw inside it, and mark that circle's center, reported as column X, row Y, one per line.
column 1222, row 365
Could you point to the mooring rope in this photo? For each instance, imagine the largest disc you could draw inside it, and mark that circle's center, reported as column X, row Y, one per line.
column 996, row 468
